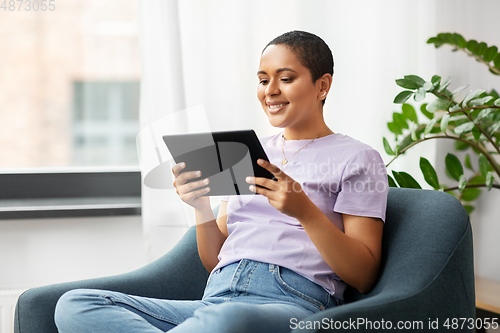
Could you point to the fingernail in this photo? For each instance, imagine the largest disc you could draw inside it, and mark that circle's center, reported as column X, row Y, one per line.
column 183, row 164
column 252, row 188
column 198, row 173
column 205, row 181
column 248, row 179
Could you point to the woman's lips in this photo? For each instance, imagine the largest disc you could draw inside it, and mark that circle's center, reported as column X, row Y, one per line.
column 276, row 107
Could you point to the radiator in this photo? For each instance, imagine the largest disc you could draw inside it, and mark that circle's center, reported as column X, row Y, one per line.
column 8, row 299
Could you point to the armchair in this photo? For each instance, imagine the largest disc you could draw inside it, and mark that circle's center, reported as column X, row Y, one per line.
column 427, row 273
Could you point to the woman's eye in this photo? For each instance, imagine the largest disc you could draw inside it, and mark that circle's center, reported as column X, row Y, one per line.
column 263, row 81
column 286, row 79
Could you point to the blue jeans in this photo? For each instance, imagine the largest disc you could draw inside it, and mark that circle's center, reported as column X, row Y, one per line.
column 247, row 296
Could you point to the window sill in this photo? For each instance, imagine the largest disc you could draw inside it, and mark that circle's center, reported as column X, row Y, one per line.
column 69, row 207
column 34, row 195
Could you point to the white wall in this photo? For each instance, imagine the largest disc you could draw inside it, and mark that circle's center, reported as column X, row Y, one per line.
column 37, row 252
column 474, row 20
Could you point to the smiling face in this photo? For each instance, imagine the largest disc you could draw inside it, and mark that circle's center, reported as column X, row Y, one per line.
column 287, row 93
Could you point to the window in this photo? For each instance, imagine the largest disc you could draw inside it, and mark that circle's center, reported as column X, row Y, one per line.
column 69, row 95
column 105, row 123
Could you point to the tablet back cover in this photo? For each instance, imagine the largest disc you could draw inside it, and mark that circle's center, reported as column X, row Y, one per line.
column 225, row 158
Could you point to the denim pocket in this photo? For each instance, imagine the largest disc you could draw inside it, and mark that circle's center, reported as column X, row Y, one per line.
column 212, row 274
column 302, row 287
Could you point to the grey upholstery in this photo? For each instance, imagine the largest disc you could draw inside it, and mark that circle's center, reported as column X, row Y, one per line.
column 427, row 272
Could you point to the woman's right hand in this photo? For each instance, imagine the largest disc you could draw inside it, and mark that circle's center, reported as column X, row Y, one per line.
column 190, row 192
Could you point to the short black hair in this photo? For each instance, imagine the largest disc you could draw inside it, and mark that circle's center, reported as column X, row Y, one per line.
column 312, row 51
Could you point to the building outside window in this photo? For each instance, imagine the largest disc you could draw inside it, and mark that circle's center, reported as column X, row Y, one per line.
column 105, row 123
column 69, row 85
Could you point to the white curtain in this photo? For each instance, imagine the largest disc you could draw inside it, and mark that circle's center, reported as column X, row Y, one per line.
column 197, row 52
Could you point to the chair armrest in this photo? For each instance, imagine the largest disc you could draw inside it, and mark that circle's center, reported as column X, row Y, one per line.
column 179, row 274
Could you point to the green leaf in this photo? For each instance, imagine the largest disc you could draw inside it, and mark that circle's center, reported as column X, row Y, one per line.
column 455, row 108
column 459, row 40
column 462, row 182
column 387, row 147
column 471, row 45
column 476, row 133
column 486, row 99
column 467, row 163
column 419, row 94
column 436, row 41
column 476, row 102
column 471, row 95
column 445, row 84
column 489, row 180
column 490, row 53
column 480, row 49
column 493, row 72
column 494, row 94
column 497, row 102
column 436, row 80
column 417, row 79
column 413, row 133
column 429, row 173
column 400, row 120
column 394, row 128
column 477, row 180
column 459, row 145
column 480, row 101
column 483, row 114
column 447, row 93
column 494, row 128
column 391, row 181
column 438, row 104
column 396, row 151
column 484, row 165
column 496, row 61
column 409, row 112
column 448, row 38
column 428, row 86
column 405, row 180
column 403, row 96
column 464, row 128
column 444, row 122
column 429, row 127
column 407, row 84
column 469, row 209
column 470, row 194
column 459, row 89
column 423, row 109
column 454, row 166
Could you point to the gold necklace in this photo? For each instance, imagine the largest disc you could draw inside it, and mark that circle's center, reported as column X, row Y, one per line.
column 285, row 160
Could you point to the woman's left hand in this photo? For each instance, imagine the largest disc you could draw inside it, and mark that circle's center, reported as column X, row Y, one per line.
column 285, row 194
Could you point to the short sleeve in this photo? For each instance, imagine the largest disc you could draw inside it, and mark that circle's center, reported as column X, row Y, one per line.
column 363, row 186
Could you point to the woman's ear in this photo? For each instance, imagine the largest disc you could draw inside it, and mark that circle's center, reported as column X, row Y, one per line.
column 325, row 84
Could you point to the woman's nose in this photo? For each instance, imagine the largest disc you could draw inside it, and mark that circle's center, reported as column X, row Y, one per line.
column 272, row 88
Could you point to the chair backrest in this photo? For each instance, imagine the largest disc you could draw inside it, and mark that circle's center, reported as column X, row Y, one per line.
column 423, row 229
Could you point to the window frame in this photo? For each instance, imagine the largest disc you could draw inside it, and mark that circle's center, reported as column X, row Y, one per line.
column 79, row 193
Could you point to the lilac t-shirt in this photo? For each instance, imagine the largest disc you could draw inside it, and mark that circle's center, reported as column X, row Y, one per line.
column 339, row 175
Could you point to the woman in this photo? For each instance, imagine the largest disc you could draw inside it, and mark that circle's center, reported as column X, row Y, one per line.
column 287, row 252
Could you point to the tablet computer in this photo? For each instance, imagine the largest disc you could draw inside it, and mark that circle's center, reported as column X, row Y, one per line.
column 225, row 158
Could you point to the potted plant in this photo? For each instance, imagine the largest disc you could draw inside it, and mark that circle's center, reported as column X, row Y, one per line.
column 472, row 121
